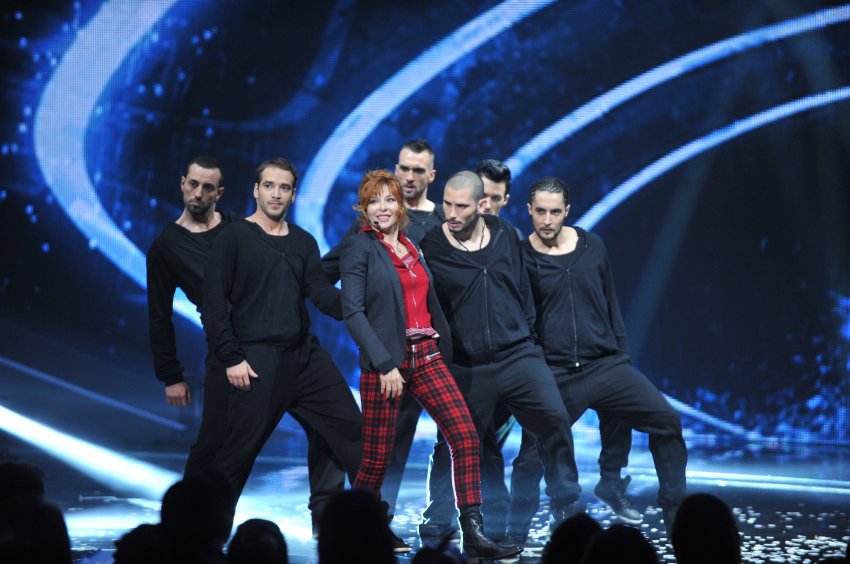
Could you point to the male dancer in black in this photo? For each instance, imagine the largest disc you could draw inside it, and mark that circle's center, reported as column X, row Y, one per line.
column 496, row 177
column 581, row 330
column 259, row 272
column 415, row 170
column 176, row 259
column 483, row 288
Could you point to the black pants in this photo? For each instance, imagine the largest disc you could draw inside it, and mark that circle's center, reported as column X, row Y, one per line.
column 623, row 397
column 521, row 379
column 305, row 383
column 616, row 443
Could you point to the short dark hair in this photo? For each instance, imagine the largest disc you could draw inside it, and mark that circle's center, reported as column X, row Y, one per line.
column 552, row 185
column 467, row 179
column 281, row 163
column 206, row 161
column 419, row 146
column 257, row 541
column 494, row 170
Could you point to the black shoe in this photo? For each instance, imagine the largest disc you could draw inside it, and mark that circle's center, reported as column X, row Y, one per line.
column 512, row 540
column 558, row 516
column 435, row 532
column 613, row 492
column 399, row 546
column 476, row 546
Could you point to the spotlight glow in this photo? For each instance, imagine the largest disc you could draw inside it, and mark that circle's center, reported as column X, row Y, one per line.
column 108, row 467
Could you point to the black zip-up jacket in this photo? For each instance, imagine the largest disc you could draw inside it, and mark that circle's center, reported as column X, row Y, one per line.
column 176, row 259
column 254, row 289
column 578, row 316
column 485, row 293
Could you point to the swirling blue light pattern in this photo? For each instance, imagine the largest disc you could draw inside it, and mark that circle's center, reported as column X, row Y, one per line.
column 698, row 146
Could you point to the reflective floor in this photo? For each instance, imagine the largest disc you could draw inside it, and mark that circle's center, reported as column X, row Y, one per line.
column 791, row 506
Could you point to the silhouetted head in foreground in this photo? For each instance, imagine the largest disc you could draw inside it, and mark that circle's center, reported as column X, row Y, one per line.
column 705, row 532
column 354, row 529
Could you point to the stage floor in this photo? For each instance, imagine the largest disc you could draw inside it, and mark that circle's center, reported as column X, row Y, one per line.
column 793, row 507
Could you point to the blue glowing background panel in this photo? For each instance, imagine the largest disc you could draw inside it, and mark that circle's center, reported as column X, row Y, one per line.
column 708, row 143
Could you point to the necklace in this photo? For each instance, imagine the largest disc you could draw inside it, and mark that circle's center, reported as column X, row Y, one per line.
column 480, row 240
column 396, row 247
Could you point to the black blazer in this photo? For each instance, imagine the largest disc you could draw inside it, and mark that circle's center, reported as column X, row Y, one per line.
column 373, row 304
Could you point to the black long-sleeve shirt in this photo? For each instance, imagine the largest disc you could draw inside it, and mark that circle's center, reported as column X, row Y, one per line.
column 485, row 294
column 254, row 289
column 578, row 316
column 176, row 259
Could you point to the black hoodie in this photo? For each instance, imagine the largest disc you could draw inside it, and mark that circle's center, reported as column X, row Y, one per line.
column 578, row 316
column 485, row 293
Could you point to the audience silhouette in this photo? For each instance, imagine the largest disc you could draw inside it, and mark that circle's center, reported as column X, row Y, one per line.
column 142, row 545
column 32, row 528
column 705, row 532
column 569, row 541
column 619, row 544
column 197, row 517
column 441, row 553
column 257, row 541
column 354, row 530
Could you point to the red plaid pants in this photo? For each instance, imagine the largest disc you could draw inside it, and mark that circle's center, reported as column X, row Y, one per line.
column 430, row 382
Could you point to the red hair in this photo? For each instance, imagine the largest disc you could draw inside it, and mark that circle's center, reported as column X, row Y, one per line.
column 371, row 186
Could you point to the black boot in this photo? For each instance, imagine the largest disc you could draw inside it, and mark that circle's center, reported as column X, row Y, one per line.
column 476, row 546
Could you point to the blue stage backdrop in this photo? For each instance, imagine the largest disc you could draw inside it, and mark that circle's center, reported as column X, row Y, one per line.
column 707, row 142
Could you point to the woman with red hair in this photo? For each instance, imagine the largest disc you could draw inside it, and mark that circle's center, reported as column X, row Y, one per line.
column 391, row 310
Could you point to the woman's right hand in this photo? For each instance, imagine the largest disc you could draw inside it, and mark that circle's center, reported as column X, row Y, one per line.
column 392, row 384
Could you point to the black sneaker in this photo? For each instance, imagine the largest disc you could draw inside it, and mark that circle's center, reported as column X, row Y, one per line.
column 557, row 517
column 399, row 546
column 613, row 493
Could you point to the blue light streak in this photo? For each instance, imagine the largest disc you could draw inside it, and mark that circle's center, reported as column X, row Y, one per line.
column 356, row 127
column 64, row 112
column 768, row 482
column 702, row 144
column 108, row 467
column 598, row 107
column 86, row 393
